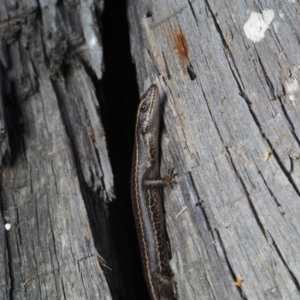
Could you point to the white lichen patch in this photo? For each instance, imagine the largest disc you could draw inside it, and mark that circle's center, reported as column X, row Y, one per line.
column 93, row 41
column 257, row 25
column 292, row 89
column 291, row 85
column 7, row 226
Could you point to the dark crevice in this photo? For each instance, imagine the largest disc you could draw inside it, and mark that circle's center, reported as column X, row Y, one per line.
column 118, row 114
column 269, row 190
column 247, row 194
column 200, row 202
column 235, row 71
column 292, row 167
column 294, row 277
column 291, row 125
column 191, row 72
column 166, row 66
column 157, row 71
column 269, row 83
column 15, row 127
column 63, row 289
column 82, row 280
column 227, row 51
column 193, row 11
column 285, row 171
column 213, row 16
column 228, row 263
column 149, row 14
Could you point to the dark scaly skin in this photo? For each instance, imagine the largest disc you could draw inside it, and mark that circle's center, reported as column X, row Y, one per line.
column 146, row 199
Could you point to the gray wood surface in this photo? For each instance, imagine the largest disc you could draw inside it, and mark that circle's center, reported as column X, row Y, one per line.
column 229, row 72
column 56, row 179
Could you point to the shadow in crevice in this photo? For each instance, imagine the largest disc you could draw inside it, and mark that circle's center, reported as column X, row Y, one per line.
column 118, row 113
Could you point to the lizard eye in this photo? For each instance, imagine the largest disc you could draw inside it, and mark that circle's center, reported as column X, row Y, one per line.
column 144, row 107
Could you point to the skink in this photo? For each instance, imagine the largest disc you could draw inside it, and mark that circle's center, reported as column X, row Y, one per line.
column 146, row 199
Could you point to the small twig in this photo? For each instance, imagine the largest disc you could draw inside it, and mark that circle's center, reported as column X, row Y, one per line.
column 103, row 262
column 26, row 281
column 180, row 212
column 269, row 152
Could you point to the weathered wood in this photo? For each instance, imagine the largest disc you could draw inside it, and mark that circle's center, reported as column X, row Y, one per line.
column 230, row 74
column 56, row 179
column 4, row 141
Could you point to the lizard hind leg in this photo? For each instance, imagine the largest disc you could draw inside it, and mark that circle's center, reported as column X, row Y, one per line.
column 166, row 287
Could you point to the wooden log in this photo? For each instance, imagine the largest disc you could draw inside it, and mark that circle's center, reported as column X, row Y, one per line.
column 229, row 72
column 56, row 178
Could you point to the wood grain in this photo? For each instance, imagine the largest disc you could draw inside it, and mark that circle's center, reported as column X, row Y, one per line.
column 232, row 133
column 56, row 178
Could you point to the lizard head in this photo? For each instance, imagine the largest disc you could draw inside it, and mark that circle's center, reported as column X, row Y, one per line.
column 148, row 110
